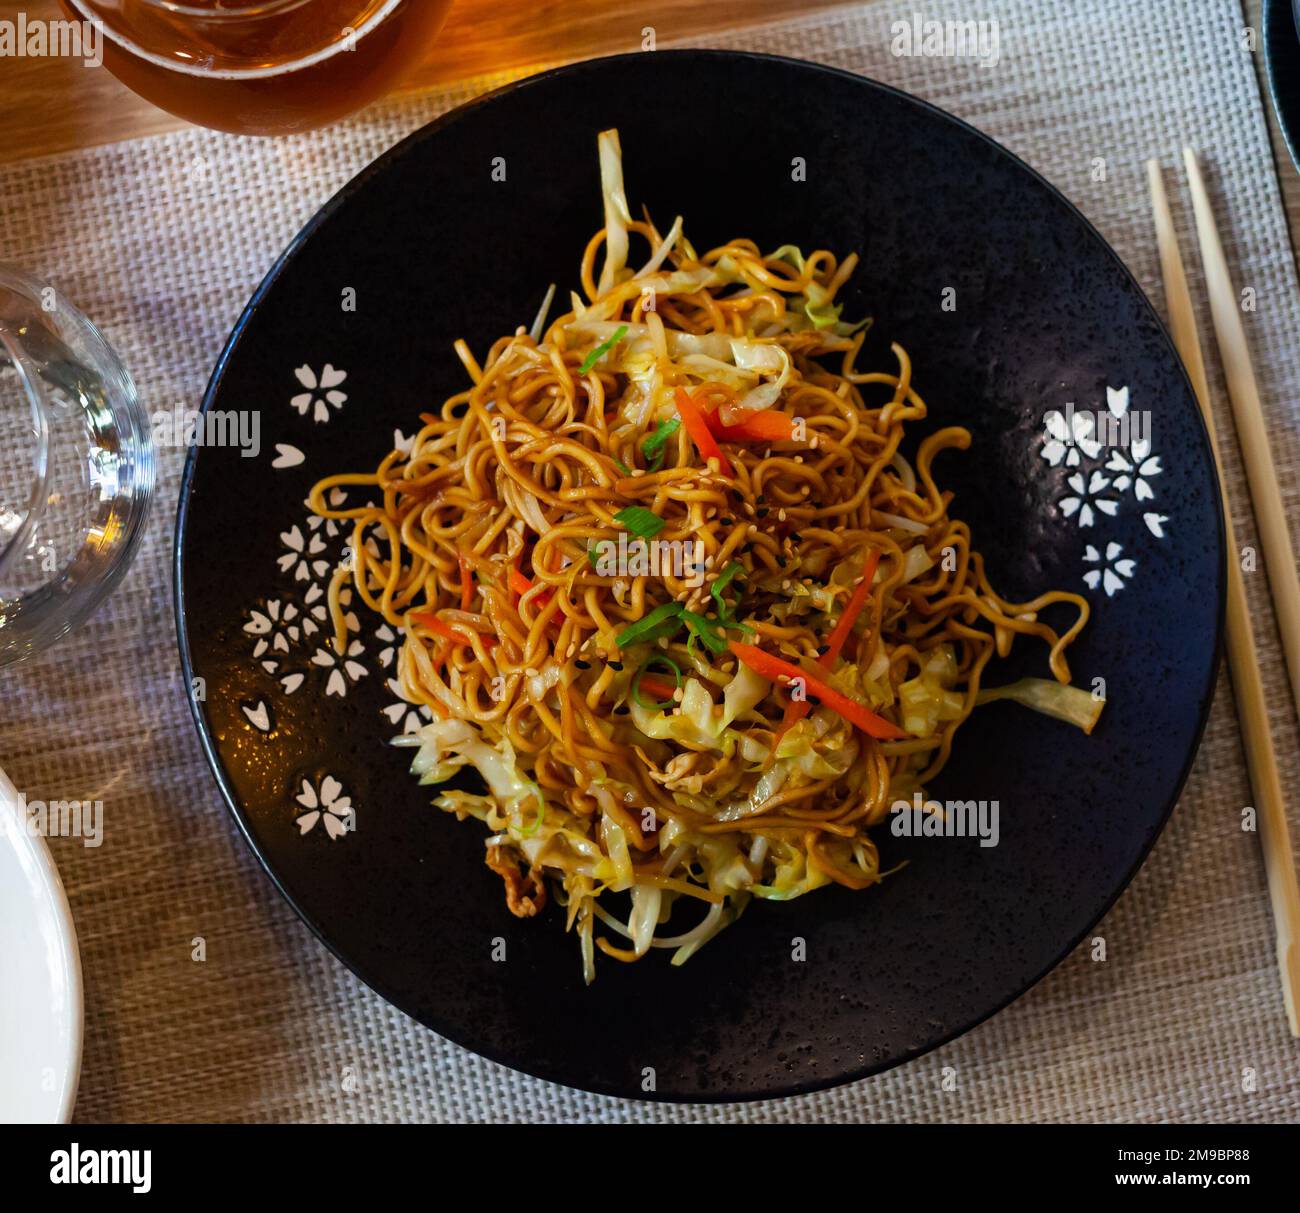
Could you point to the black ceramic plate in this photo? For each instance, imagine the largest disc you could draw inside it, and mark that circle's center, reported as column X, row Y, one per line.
column 1045, row 315
column 1282, row 59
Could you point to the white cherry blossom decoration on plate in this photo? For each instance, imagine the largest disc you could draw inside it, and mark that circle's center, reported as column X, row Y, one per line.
column 325, row 805
column 322, row 392
column 1109, row 461
column 1087, row 498
column 1111, row 572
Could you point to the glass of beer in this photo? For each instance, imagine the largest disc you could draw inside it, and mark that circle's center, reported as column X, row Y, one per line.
column 262, row 67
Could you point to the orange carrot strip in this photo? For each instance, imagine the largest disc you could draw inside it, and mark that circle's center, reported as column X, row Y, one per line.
column 848, row 617
column 698, row 428
column 775, row 668
column 766, row 425
column 656, row 688
column 466, row 582
column 797, row 709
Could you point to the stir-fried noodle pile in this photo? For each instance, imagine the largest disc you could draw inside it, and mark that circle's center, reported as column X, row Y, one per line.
column 670, row 586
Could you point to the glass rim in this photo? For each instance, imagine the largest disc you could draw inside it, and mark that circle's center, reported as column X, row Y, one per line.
column 38, row 470
column 243, row 12
column 255, row 10
column 16, row 282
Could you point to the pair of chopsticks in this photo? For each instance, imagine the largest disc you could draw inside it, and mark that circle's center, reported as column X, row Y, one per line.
column 1279, row 558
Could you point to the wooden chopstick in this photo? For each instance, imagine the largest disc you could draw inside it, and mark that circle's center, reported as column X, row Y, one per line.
column 1247, row 411
column 1243, row 660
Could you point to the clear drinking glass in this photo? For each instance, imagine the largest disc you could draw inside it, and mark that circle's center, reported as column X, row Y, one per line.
column 76, row 467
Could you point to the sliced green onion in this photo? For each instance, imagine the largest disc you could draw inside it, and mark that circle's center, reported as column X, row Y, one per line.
column 662, row 621
column 603, row 348
column 622, row 467
column 706, row 631
column 661, row 660
column 643, row 523
column 726, row 613
column 653, row 447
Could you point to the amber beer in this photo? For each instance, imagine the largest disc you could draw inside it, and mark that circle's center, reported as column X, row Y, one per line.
column 262, row 67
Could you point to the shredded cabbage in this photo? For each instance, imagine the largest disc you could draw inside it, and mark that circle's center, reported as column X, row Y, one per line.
column 701, row 723
column 794, row 875
column 617, row 214
column 1072, row 704
column 916, row 563
column 926, row 699
column 660, row 254
column 819, row 746
column 448, row 745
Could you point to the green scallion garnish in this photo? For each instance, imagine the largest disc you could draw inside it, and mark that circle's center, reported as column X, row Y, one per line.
column 706, row 631
column 726, row 613
column 643, row 523
column 603, row 348
column 662, row 621
column 653, row 447
column 659, row 659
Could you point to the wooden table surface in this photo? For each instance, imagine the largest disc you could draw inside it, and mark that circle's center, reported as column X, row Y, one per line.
column 52, row 105
column 55, row 105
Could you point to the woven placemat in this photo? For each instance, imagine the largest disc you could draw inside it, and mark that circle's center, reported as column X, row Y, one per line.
column 162, row 240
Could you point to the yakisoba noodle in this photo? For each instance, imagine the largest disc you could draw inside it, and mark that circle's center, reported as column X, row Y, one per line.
column 694, row 741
